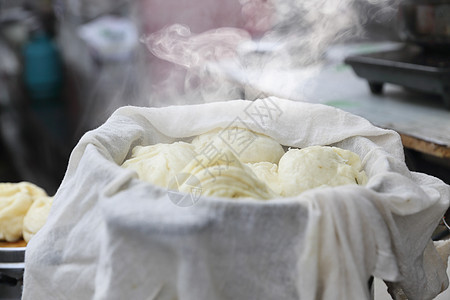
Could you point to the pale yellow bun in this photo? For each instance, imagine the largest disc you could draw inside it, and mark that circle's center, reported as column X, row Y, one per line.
column 318, row 166
column 248, row 146
column 15, row 200
column 160, row 163
column 36, row 216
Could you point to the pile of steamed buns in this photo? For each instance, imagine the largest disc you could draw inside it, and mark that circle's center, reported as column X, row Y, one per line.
column 231, row 163
column 239, row 163
column 24, row 208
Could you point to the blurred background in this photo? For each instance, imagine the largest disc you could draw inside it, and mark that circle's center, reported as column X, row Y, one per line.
column 66, row 65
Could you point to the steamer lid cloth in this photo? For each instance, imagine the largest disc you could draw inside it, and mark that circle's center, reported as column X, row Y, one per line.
column 110, row 235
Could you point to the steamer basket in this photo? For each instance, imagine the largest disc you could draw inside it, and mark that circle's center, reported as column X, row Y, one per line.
column 11, row 272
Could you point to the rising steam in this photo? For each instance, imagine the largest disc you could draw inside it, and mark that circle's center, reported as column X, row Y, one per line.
column 226, row 63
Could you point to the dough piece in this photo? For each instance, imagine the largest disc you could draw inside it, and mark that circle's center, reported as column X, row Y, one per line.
column 158, row 164
column 248, row 146
column 224, row 176
column 36, row 216
column 303, row 169
column 268, row 173
column 15, row 200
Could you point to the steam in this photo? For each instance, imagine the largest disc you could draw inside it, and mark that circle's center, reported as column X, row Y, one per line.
column 306, row 28
column 278, row 35
column 177, row 44
column 198, row 55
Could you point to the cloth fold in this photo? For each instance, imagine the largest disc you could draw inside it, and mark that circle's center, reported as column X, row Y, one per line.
column 112, row 236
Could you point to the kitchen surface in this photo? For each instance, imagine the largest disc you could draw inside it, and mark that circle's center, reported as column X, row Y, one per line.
column 250, row 149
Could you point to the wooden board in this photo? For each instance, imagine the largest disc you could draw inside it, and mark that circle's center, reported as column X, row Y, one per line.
column 20, row 243
column 425, row 147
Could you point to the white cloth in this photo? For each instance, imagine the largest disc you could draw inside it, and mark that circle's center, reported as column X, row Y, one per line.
column 112, row 236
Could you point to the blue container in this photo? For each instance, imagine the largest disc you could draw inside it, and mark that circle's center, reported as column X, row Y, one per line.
column 43, row 72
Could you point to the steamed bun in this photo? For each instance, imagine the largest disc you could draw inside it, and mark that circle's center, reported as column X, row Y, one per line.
column 160, row 163
column 316, row 166
column 15, row 200
column 248, row 146
column 225, row 176
column 267, row 172
column 36, row 216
